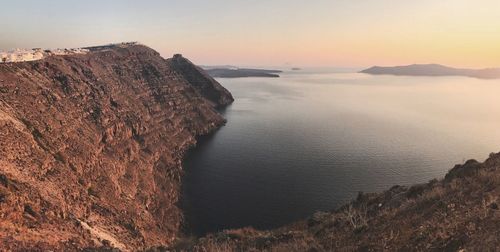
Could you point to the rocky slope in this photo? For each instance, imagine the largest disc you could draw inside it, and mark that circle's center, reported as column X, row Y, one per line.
column 458, row 213
column 91, row 147
column 199, row 79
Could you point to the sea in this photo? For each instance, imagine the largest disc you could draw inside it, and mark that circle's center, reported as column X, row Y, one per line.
column 312, row 139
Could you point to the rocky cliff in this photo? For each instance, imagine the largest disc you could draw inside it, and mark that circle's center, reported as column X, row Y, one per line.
column 91, row 147
column 199, row 79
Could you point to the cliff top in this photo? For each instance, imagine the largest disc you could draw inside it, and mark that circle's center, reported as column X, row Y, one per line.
column 111, row 46
column 23, row 55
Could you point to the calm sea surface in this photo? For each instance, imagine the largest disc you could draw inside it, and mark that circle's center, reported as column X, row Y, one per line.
column 309, row 141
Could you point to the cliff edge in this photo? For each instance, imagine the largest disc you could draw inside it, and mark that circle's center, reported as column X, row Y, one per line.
column 92, row 147
column 204, row 83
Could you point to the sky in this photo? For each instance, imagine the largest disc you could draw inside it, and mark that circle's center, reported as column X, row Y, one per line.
column 340, row 33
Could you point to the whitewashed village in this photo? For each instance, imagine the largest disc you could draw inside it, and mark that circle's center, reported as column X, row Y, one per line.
column 21, row 55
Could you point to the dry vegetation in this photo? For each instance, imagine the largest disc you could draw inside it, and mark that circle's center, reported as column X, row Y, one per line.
column 459, row 212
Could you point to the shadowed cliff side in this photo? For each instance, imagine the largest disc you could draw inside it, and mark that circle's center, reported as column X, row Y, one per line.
column 458, row 213
column 92, row 147
column 204, row 83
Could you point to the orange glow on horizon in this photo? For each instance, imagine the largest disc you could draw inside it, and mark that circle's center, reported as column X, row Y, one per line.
column 456, row 33
column 460, row 33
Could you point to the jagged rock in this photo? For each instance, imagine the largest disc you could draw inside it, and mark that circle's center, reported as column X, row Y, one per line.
column 470, row 168
column 204, row 83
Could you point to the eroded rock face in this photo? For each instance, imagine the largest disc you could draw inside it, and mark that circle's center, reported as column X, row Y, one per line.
column 203, row 82
column 91, row 147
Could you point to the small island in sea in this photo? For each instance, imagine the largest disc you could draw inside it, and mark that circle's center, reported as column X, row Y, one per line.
column 235, row 72
column 434, row 70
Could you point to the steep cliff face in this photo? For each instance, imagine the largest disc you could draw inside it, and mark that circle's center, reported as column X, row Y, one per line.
column 203, row 82
column 91, row 147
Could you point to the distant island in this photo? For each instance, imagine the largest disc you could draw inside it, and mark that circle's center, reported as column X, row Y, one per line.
column 434, row 70
column 235, row 72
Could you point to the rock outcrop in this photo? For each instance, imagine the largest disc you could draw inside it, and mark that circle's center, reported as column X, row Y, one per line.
column 204, row 83
column 91, row 147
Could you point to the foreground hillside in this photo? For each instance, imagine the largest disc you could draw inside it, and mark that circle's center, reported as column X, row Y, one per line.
column 458, row 213
column 91, row 147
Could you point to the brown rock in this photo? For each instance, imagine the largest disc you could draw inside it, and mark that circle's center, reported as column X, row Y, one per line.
column 96, row 139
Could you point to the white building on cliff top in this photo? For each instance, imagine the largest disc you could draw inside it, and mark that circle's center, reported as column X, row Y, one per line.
column 21, row 55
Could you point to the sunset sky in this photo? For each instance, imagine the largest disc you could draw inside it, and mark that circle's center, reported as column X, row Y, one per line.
column 463, row 33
